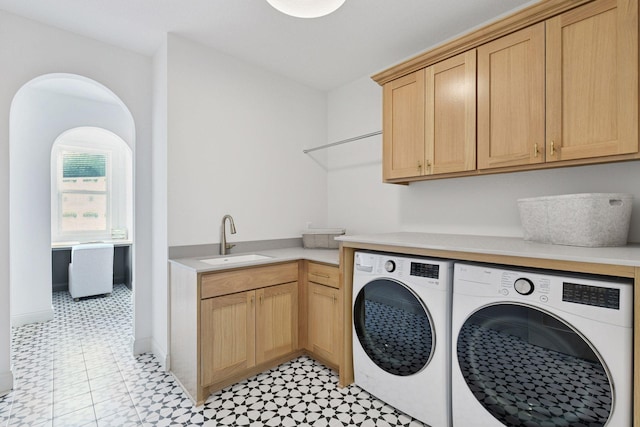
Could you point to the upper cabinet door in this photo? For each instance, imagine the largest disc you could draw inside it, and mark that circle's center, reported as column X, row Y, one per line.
column 450, row 120
column 592, row 81
column 511, row 103
column 403, row 126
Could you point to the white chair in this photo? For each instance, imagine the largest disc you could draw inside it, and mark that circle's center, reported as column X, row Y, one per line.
column 91, row 270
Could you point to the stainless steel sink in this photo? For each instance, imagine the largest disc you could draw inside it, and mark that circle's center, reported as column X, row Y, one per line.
column 234, row 259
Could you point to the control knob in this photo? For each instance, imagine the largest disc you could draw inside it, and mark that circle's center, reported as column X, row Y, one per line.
column 523, row 286
column 390, row 266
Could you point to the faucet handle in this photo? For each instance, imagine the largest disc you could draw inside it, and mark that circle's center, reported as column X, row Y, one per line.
column 230, row 245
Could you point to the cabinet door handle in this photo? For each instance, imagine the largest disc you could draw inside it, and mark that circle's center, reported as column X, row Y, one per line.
column 261, row 299
column 335, row 298
column 552, row 149
column 253, row 300
column 326, row 276
column 419, row 166
column 535, row 150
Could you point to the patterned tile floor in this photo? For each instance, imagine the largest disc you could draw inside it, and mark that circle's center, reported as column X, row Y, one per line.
column 77, row 370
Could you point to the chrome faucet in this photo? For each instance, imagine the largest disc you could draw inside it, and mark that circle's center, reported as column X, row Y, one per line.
column 224, row 246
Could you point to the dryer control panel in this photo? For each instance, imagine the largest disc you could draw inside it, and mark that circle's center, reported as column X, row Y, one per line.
column 420, row 269
column 423, row 271
column 586, row 296
column 597, row 296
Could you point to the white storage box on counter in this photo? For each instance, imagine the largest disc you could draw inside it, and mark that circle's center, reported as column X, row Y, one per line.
column 321, row 238
column 589, row 219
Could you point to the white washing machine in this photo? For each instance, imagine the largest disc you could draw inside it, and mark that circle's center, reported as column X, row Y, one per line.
column 401, row 333
column 532, row 349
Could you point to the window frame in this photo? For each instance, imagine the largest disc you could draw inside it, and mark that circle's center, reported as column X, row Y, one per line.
column 119, row 181
column 105, row 233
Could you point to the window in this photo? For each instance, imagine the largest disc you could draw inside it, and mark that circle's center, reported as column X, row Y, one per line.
column 91, row 186
column 83, row 192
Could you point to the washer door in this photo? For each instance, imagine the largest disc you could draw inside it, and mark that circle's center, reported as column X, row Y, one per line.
column 529, row 368
column 393, row 327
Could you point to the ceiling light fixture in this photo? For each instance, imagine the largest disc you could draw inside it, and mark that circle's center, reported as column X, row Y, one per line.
column 306, row 8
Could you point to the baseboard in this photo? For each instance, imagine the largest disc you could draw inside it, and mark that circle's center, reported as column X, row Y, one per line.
column 140, row 345
column 33, row 317
column 6, row 382
column 149, row 345
column 119, row 279
column 60, row 286
column 161, row 355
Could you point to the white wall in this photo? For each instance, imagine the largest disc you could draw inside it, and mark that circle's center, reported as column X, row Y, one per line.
column 485, row 205
column 159, row 276
column 29, row 50
column 357, row 199
column 235, row 140
column 38, row 117
column 6, row 94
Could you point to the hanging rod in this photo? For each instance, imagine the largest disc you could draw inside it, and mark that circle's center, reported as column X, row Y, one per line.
column 344, row 141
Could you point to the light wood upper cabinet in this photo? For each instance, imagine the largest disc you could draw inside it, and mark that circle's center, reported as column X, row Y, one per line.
column 403, row 124
column 450, row 120
column 228, row 346
column 276, row 321
column 592, row 81
column 589, row 67
column 557, row 85
column 429, row 120
column 511, row 93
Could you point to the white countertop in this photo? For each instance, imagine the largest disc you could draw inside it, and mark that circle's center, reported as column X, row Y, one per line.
column 508, row 246
column 328, row 256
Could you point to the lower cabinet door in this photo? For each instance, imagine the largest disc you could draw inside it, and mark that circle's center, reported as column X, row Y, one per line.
column 324, row 324
column 227, row 330
column 276, row 321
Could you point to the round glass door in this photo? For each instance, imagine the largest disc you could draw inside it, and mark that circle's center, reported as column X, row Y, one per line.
column 529, row 368
column 393, row 327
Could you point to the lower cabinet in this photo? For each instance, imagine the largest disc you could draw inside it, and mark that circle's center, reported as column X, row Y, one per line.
column 240, row 331
column 324, row 314
column 229, row 325
column 247, row 329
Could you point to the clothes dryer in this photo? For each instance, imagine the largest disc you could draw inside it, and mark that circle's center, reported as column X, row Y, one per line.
column 537, row 349
column 401, row 333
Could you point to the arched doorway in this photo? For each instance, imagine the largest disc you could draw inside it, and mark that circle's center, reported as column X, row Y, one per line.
column 43, row 109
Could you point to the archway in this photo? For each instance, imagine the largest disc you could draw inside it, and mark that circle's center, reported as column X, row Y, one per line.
column 43, row 109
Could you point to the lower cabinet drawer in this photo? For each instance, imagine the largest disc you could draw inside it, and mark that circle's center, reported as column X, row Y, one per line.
column 324, row 274
column 245, row 279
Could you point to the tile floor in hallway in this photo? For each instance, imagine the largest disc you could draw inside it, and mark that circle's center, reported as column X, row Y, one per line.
column 77, row 370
